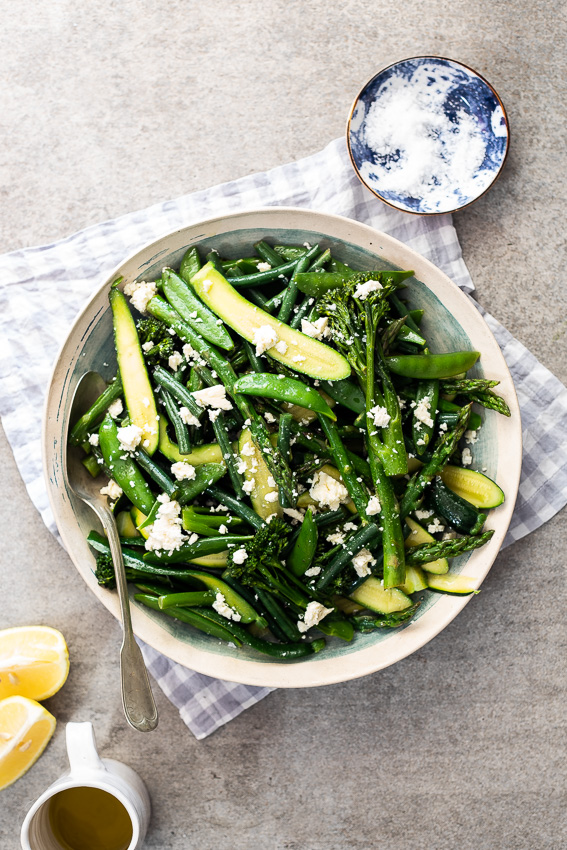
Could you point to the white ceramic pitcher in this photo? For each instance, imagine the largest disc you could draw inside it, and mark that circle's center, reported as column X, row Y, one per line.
column 88, row 770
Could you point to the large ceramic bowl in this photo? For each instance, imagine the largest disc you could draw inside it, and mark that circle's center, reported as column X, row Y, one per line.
column 451, row 322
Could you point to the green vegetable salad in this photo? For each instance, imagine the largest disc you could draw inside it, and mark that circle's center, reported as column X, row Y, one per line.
column 286, row 458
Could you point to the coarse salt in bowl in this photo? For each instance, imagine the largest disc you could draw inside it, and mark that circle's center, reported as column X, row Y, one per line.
column 428, row 135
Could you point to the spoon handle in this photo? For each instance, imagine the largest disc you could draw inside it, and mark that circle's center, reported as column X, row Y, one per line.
column 137, row 698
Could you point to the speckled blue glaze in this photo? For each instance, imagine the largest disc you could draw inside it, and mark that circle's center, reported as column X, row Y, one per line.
column 462, row 91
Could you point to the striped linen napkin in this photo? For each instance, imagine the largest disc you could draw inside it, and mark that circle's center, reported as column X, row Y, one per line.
column 42, row 289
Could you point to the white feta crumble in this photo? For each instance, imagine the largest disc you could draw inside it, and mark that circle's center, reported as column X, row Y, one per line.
column 166, row 532
column 422, row 514
column 249, row 485
column 140, row 293
column 374, row 507
column 183, row 471
column 129, row 437
column 362, row 562
column 299, row 358
column 187, row 417
column 263, row 267
column 241, row 467
column 281, row 347
column 175, row 360
column 435, row 526
column 189, row 352
column 449, row 535
column 314, row 613
column 466, row 457
column 116, row 408
column 317, row 329
column 422, row 412
column 350, row 526
column 471, row 437
column 94, row 439
column 207, row 285
column 312, row 571
column 112, row 490
column 326, row 490
column 271, row 481
column 214, row 396
column 294, row 514
column 248, row 450
column 239, row 556
column 269, row 417
column 147, row 346
column 223, row 529
column 221, row 607
column 337, row 538
column 363, row 290
column 265, row 337
column 442, row 426
column 214, row 414
column 379, row 416
column 146, row 401
column 272, row 496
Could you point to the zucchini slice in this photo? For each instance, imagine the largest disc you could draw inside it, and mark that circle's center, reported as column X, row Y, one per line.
column 138, row 392
column 478, row 489
column 416, row 537
column 415, row 580
column 384, row 600
column 451, row 583
column 258, row 472
column 208, row 453
column 459, row 514
column 214, row 561
column 303, row 354
column 126, row 526
column 138, row 518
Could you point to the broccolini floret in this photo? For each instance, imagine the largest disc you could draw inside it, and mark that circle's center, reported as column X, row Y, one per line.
column 152, row 330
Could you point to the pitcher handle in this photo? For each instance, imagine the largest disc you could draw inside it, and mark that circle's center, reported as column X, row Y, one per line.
column 81, row 748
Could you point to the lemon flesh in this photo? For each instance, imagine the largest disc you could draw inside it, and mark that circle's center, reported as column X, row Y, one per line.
column 34, row 662
column 25, row 730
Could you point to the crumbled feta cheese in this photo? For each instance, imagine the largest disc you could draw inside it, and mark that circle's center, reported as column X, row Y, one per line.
column 146, row 401
column 374, row 506
column 449, row 535
column 350, row 526
column 435, row 526
column 248, row 486
column 221, row 607
column 294, row 514
column 379, row 416
column 214, row 414
column 401, row 402
column 147, row 346
column 166, row 532
column 271, row 481
column 466, row 457
column 187, row 417
column 207, row 285
column 269, row 417
column 214, row 396
column 470, row 437
column 314, row 613
column 362, row 562
column 423, row 514
column 281, row 347
column 140, row 293
column 263, row 267
column 272, row 496
column 336, row 538
column 94, row 439
column 317, row 329
column 183, row 471
column 421, row 412
column 298, row 358
column 248, row 450
column 189, row 352
column 363, row 290
column 175, row 360
column 241, row 467
column 327, row 491
column 223, row 529
column 129, row 437
column 443, row 426
column 112, row 490
column 312, row 571
column 116, row 408
column 265, row 337
column 239, row 556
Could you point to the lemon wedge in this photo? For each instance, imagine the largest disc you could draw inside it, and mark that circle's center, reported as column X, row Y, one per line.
column 25, row 730
column 34, row 662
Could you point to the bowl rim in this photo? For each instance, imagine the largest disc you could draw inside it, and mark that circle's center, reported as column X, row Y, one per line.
column 472, row 71
column 312, row 671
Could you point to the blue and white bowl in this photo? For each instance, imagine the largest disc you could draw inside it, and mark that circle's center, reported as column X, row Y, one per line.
column 428, row 135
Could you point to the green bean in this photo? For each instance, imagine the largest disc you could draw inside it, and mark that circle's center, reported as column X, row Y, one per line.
column 89, row 419
column 186, row 599
column 365, row 536
column 181, row 429
column 190, row 264
column 166, row 379
column 192, row 310
column 193, row 617
column 156, row 473
column 305, row 546
column 189, row 551
column 240, row 509
column 123, row 469
column 206, row 474
column 268, row 254
column 290, row 296
column 284, row 389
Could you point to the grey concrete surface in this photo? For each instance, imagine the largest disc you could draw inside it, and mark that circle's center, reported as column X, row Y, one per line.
column 109, row 107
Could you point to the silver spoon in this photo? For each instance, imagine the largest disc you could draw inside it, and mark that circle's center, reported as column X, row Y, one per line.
column 137, row 698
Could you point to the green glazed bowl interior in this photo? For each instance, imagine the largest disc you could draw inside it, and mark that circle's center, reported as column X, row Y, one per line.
column 450, row 322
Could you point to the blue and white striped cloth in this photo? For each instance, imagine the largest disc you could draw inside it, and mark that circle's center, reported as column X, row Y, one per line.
column 42, row 289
